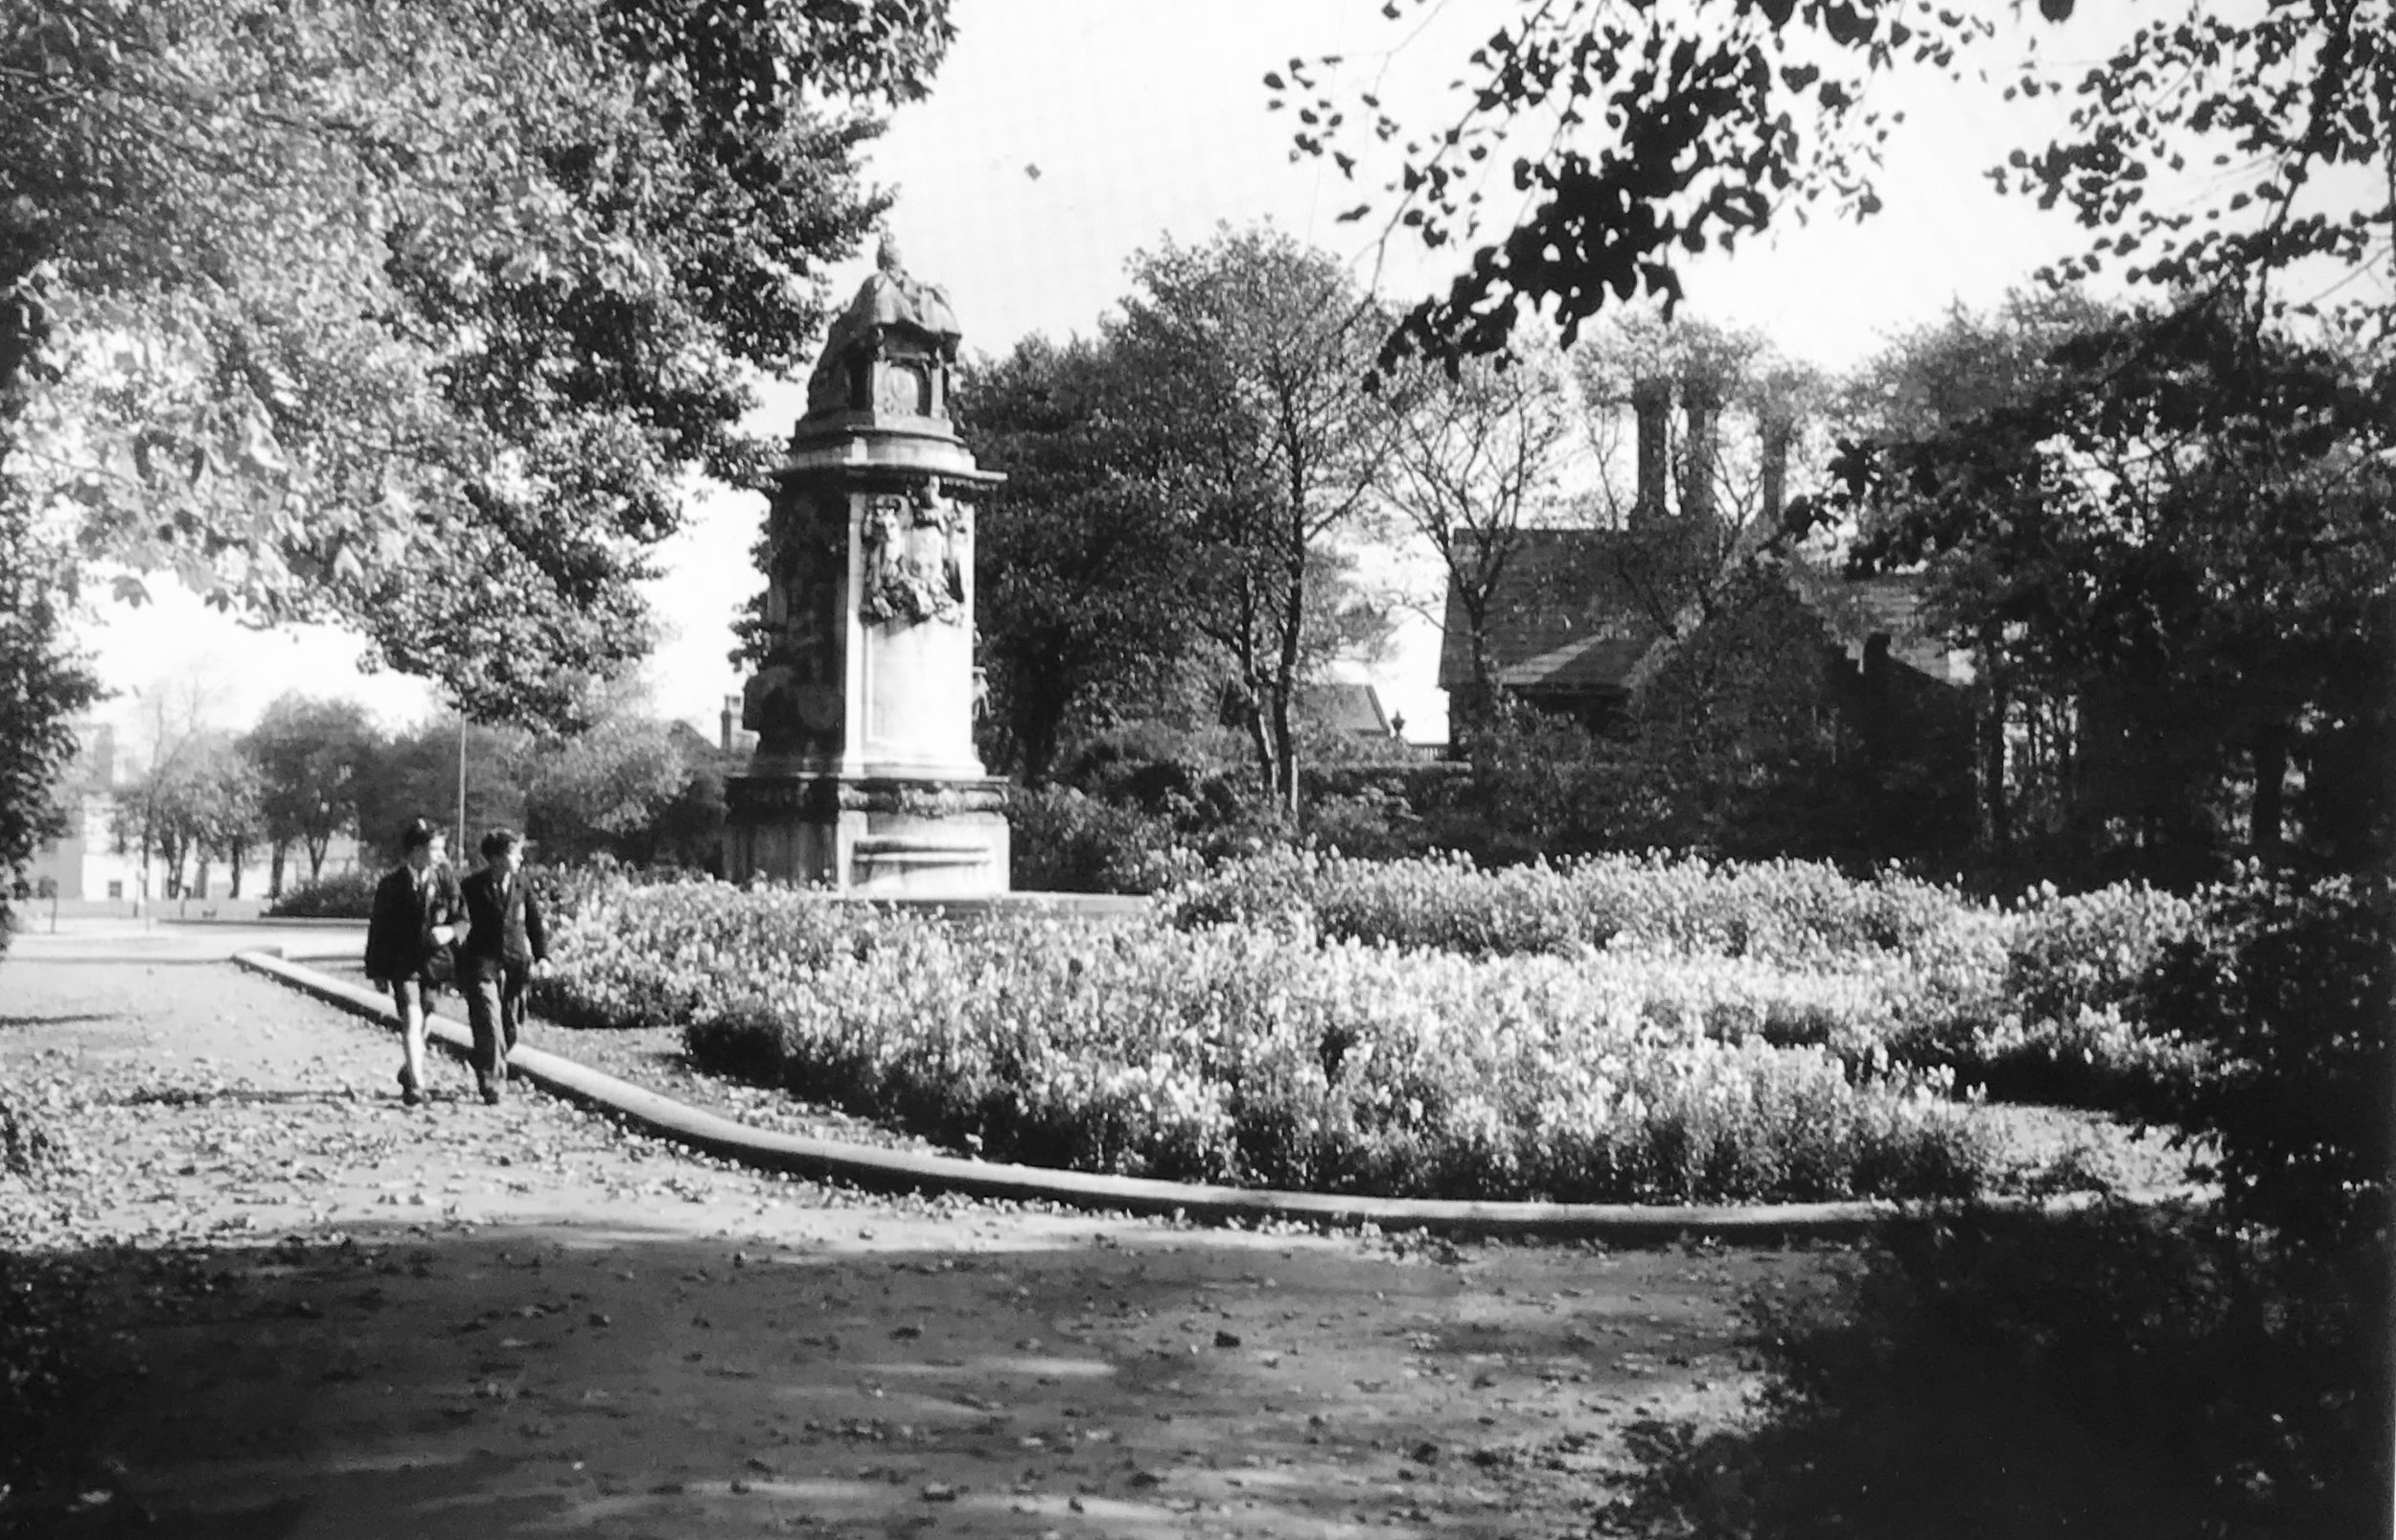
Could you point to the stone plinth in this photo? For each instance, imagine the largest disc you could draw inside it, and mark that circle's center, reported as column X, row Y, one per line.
column 864, row 776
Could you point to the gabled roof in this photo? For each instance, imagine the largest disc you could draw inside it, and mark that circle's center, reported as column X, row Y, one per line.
column 1340, row 706
column 1343, row 707
column 1889, row 604
column 1563, row 616
column 1566, row 617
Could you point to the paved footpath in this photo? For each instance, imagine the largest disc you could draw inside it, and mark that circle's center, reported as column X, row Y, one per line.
column 524, row 1320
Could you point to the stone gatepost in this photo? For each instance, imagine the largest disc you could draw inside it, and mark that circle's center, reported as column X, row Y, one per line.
column 864, row 776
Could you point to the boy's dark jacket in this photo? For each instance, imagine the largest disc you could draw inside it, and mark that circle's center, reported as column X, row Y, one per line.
column 398, row 934
column 504, row 929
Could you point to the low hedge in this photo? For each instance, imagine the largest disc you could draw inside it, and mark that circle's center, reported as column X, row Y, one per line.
column 348, row 895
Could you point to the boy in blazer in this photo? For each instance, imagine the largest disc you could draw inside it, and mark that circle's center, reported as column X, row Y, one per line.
column 417, row 917
column 505, row 942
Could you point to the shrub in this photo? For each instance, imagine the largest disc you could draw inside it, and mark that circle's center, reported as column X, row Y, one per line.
column 348, row 895
column 2123, row 1373
column 1371, row 822
column 1065, row 841
column 2291, row 985
column 2090, row 952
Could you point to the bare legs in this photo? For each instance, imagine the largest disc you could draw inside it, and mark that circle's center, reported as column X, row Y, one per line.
column 408, row 996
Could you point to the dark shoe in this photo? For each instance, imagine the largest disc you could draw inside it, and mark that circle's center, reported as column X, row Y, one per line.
column 411, row 1095
column 491, row 1092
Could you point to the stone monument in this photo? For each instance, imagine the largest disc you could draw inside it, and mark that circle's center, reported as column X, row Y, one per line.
column 864, row 776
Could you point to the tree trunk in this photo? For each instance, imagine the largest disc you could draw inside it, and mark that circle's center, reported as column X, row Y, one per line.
column 277, row 855
column 1259, row 738
column 1480, row 694
column 2271, row 776
column 1037, row 745
column 1293, row 633
column 316, row 849
column 1996, row 811
column 1285, row 764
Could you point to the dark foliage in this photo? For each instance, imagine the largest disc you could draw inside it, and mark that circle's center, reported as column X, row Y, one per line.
column 2169, row 553
column 2127, row 1373
column 2291, row 985
column 42, row 685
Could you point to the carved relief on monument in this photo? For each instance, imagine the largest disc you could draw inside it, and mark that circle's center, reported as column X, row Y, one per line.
column 795, row 702
column 916, row 551
column 904, row 388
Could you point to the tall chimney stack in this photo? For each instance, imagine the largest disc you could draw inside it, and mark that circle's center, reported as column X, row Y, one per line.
column 1651, row 402
column 732, row 720
column 1703, row 400
column 1779, row 428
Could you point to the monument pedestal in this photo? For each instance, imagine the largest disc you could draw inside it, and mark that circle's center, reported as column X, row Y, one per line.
column 864, row 778
column 876, row 837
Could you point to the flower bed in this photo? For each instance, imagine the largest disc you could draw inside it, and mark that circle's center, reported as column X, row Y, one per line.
column 1255, row 1057
column 1624, row 1028
column 2045, row 1003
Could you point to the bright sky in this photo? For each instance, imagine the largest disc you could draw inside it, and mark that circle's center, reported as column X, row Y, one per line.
column 1062, row 136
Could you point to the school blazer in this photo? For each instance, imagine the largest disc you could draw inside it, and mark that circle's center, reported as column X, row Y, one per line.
column 398, row 934
column 504, row 931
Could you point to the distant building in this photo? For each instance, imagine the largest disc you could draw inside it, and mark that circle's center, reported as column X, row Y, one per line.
column 1566, row 627
column 83, row 863
column 1569, row 632
column 1351, row 709
column 1346, row 707
column 1580, row 618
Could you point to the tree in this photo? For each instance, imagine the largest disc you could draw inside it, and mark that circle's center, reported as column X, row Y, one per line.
column 197, row 800
column 2183, row 536
column 1250, row 350
column 310, row 756
column 415, row 318
column 415, row 775
column 144, row 818
column 1478, row 461
column 688, row 831
column 1957, row 370
column 225, row 816
column 1648, row 135
column 605, row 789
column 42, row 687
column 1081, row 594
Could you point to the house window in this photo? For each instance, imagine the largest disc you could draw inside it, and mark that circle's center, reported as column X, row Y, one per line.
column 116, row 889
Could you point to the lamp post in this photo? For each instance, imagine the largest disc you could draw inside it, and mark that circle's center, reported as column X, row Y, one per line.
column 459, row 849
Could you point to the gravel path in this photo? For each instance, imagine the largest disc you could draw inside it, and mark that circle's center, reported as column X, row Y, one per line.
column 348, row 1318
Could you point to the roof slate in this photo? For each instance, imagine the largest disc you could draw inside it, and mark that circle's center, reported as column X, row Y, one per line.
column 1565, row 616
